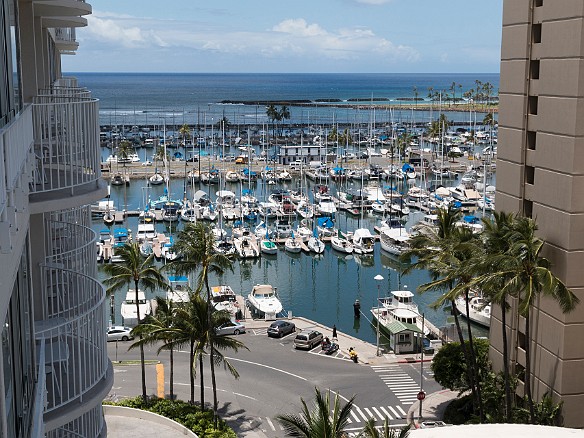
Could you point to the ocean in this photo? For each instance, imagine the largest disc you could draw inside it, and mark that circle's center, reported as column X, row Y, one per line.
column 199, row 98
column 323, row 288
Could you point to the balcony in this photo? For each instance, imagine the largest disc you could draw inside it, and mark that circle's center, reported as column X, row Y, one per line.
column 65, row 40
column 67, row 169
column 72, row 337
column 61, row 8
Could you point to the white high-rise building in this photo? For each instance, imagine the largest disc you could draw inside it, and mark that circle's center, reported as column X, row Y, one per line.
column 54, row 369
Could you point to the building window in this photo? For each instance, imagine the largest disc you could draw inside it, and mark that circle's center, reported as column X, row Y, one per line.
column 536, row 33
column 404, row 338
column 534, row 69
column 532, row 102
column 529, row 174
column 538, row 3
column 527, row 208
column 531, row 140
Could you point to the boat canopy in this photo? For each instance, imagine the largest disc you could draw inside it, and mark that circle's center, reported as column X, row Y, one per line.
column 325, row 222
column 407, row 168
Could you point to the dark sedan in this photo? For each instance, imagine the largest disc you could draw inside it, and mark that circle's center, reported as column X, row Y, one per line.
column 281, row 328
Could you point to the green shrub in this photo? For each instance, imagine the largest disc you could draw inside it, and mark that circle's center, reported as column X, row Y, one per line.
column 459, row 411
column 190, row 416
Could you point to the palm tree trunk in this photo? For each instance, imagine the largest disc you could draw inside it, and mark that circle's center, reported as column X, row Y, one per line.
column 528, row 368
column 142, row 360
column 171, row 384
column 191, row 373
column 506, row 378
column 469, row 372
column 211, row 354
column 202, row 381
column 473, row 359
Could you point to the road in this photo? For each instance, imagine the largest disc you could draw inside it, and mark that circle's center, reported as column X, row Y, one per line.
column 274, row 377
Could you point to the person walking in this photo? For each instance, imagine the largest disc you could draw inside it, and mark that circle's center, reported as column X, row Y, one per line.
column 334, row 332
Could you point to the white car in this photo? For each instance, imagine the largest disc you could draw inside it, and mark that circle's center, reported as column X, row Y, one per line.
column 231, row 328
column 119, row 333
column 147, row 163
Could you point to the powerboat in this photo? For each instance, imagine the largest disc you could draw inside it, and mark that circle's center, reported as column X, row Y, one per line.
column 128, row 307
column 224, row 298
column 246, row 246
column 363, row 241
column 263, row 301
column 179, row 289
column 479, row 309
column 267, row 246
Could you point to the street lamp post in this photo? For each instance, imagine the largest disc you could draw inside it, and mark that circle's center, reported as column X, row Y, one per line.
column 379, row 279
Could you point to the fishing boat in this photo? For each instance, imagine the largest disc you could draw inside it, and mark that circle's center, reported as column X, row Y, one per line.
column 128, row 308
column 398, row 317
column 479, row 309
column 340, row 243
column 394, row 240
column 224, row 298
column 179, row 289
column 363, row 241
column 264, row 302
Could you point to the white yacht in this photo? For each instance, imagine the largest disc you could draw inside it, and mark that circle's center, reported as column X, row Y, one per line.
column 246, row 246
column 128, row 307
column 363, row 241
column 224, row 298
column 263, row 301
column 179, row 288
column 479, row 309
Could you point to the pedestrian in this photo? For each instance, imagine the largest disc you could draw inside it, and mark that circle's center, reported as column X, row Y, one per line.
column 334, row 331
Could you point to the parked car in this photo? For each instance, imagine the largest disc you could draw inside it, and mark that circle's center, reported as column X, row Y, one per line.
column 308, row 339
column 193, row 159
column 281, row 328
column 231, row 328
column 147, row 163
column 229, row 158
column 119, row 333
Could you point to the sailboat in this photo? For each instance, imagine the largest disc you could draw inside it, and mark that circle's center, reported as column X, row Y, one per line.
column 267, row 246
column 315, row 244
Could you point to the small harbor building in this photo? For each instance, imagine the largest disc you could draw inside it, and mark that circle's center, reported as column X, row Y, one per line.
column 301, row 153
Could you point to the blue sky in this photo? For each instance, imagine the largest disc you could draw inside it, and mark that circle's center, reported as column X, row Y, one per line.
column 320, row 36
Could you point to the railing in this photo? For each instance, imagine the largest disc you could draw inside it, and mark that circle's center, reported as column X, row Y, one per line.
column 73, row 335
column 65, row 91
column 67, row 81
column 65, row 34
column 17, row 140
column 66, row 143
column 90, row 424
column 71, row 245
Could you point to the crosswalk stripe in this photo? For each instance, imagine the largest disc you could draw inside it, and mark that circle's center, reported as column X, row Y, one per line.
column 271, row 424
column 397, row 415
column 368, row 412
column 400, row 409
column 361, row 413
column 385, row 413
column 379, row 414
column 355, row 416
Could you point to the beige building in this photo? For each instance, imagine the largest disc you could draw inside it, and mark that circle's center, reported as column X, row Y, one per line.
column 54, row 368
column 540, row 173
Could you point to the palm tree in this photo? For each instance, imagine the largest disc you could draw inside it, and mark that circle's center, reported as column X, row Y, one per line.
column 444, row 251
column 154, row 329
column 124, row 150
column 370, row 431
column 143, row 273
column 273, row 114
column 185, row 133
column 284, row 113
column 196, row 243
column 318, row 421
column 528, row 276
column 496, row 243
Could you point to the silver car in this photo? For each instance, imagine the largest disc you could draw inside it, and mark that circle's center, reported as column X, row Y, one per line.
column 230, row 328
column 308, row 339
column 119, row 333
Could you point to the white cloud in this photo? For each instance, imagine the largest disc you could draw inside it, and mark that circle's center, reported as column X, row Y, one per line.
column 291, row 37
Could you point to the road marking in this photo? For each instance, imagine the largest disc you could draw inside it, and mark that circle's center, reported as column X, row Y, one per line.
column 271, row 424
column 160, row 380
column 387, row 414
column 379, row 414
column 268, row 367
column 397, row 415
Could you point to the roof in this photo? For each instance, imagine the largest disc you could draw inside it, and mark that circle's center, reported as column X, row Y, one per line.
column 399, row 327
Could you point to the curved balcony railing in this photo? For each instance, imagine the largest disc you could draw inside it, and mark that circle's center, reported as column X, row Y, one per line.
column 72, row 336
column 64, row 91
column 66, row 143
column 89, row 425
column 72, row 246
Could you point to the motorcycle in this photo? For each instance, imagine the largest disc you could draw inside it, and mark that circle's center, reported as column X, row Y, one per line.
column 353, row 355
column 330, row 348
